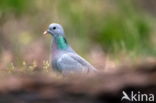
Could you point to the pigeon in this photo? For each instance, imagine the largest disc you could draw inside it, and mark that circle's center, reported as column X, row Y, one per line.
column 64, row 59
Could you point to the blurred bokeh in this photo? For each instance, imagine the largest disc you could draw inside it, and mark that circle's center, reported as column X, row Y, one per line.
column 99, row 30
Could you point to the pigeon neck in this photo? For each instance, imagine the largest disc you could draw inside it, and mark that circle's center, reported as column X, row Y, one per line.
column 61, row 42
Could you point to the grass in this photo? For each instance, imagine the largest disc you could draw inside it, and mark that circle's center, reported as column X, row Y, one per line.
column 25, row 68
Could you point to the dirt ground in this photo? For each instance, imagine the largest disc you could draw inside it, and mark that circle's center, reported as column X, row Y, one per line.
column 101, row 88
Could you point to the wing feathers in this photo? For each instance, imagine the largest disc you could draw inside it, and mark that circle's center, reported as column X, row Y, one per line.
column 73, row 62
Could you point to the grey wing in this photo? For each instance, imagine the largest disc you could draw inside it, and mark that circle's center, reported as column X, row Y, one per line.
column 68, row 64
column 71, row 62
column 83, row 62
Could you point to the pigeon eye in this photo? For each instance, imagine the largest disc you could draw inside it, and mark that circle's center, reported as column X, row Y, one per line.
column 54, row 28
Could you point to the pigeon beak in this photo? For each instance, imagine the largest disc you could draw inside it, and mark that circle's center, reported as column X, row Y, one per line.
column 45, row 32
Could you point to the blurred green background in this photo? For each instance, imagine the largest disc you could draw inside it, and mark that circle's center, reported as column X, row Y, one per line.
column 94, row 28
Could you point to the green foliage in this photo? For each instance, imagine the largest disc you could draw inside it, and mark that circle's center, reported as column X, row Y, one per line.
column 126, row 28
column 124, row 32
column 129, row 29
column 14, row 6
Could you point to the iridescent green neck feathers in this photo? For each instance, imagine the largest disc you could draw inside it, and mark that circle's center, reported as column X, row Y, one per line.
column 61, row 42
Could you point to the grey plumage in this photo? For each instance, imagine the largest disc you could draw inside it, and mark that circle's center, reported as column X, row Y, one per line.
column 71, row 62
column 64, row 58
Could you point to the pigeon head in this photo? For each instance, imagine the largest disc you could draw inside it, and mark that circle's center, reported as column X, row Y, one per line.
column 55, row 30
